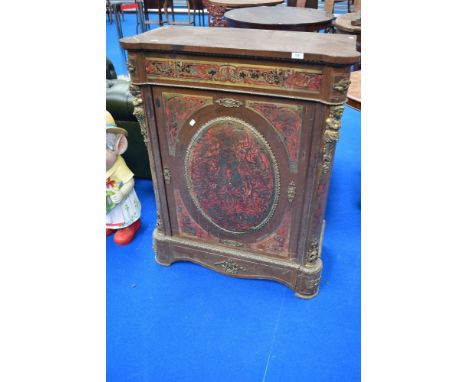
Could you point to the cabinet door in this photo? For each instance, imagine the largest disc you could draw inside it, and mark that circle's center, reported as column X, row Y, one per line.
column 235, row 167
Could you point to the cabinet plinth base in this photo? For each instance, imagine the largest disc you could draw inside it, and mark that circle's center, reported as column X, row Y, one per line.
column 238, row 262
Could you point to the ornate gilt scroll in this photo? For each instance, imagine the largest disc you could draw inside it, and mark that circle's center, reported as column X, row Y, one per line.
column 342, row 85
column 138, row 110
column 230, row 266
column 331, row 136
column 228, row 102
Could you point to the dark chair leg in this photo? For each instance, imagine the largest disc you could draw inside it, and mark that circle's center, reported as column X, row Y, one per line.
column 172, row 7
column 118, row 23
column 109, row 15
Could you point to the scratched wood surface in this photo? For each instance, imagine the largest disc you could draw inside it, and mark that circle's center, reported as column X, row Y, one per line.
column 327, row 48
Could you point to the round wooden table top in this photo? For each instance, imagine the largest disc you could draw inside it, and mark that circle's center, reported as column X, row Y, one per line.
column 343, row 22
column 354, row 91
column 245, row 3
column 286, row 18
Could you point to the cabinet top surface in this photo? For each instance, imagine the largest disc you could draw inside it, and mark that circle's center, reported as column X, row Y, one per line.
column 269, row 44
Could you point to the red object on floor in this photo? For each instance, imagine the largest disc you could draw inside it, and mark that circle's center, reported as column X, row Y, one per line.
column 125, row 235
column 125, row 7
column 109, row 231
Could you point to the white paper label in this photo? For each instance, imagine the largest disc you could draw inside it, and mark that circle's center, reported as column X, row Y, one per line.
column 299, row 56
column 192, row 122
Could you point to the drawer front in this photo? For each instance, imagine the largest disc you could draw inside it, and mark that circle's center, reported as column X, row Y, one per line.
column 241, row 75
column 286, row 79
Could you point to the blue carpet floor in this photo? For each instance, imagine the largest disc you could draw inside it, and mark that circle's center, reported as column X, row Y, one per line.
column 187, row 323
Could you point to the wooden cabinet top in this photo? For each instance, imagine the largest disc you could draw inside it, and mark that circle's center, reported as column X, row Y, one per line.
column 249, row 43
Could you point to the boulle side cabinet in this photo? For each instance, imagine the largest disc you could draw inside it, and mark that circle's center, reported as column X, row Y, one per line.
column 241, row 127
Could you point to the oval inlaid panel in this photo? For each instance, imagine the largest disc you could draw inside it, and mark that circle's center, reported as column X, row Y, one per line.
column 232, row 175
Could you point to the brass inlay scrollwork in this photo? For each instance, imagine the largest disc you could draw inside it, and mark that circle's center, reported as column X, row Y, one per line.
column 138, row 110
column 230, row 266
column 228, row 102
column 178, row 107
column 286, row 119
column 167, row 175
column 342, row 85
column 291, row 191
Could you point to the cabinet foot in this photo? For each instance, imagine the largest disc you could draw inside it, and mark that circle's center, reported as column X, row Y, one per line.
column 308, row 280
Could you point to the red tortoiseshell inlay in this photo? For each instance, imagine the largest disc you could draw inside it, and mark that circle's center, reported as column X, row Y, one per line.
column 187, row 226
column 178, row 108
column 287, row 120
column 277, row 242
column 256, row 76
column 232, row 175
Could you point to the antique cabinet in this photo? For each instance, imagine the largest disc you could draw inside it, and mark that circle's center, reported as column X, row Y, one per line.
column 241, row 127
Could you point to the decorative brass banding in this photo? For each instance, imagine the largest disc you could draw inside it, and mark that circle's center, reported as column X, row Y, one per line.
column 261, row 140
